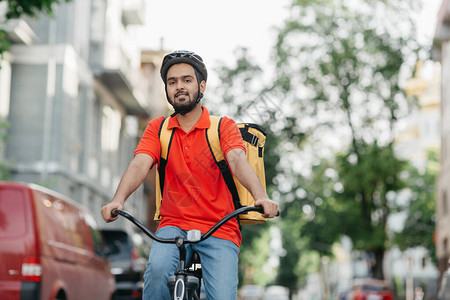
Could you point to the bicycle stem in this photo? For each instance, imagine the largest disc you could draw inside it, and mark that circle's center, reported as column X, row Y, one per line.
column 179, row 242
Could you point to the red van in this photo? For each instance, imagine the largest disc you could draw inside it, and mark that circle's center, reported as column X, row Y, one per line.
column 50, row 247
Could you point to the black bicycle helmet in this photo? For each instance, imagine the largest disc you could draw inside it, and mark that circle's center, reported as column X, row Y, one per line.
column 183, row 56
column 187, row 57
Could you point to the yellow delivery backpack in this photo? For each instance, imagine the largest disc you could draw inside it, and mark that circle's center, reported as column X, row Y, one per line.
column 254, row 139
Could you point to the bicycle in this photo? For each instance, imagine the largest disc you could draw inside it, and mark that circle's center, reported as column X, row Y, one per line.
column 185, row 283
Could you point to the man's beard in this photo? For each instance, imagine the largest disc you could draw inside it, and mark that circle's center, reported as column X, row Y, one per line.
column 181, row 106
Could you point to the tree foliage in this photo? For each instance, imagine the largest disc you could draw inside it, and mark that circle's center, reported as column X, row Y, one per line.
column 420, row 222
column 363, row 195
column 18, row 8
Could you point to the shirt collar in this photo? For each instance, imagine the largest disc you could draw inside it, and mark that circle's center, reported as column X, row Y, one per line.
column 203, row 123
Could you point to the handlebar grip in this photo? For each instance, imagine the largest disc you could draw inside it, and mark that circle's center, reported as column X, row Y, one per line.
column 260, row 209
column 114, row 213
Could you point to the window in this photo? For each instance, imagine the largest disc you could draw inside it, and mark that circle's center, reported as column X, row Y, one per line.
column 111, row 124
column 97, row 239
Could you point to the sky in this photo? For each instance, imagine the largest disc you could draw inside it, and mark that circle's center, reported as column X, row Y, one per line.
column 214, row 29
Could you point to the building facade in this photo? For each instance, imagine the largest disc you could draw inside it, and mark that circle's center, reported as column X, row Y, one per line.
column 422, row 132
column 442, row 52
column 74, row 92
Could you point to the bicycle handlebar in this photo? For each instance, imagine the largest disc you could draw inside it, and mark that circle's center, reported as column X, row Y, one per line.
column 213, row 229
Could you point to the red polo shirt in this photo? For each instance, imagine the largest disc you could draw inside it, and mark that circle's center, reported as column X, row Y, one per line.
column 195, row 196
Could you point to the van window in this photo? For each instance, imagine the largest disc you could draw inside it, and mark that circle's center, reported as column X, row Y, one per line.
column 99, row 246
column 13, row 221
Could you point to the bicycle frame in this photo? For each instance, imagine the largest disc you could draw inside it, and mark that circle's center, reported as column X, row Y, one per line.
column 193, row 236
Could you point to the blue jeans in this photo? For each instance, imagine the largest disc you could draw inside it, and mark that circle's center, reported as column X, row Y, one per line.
column 219, row 259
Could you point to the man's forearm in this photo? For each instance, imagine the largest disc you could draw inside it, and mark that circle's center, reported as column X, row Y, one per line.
column 245, row 174
column 131, row 179
column 248, row 178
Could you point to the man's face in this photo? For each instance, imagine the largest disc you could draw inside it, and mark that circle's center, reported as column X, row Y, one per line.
column 182, row 87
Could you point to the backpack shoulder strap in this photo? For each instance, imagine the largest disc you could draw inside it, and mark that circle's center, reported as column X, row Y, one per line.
column 213, row 139
column 165, row 137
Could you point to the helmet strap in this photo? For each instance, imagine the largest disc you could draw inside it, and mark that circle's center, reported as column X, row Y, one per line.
column 190, row 108
column 185, row 111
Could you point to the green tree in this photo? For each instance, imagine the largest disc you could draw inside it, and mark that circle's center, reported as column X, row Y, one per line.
column 343, row 64
column 420, row 222
column 337, row 90
column 18, row 8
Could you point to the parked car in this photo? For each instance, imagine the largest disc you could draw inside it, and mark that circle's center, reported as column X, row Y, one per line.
column 50, row 247
column 370, row 289
column 126, row 264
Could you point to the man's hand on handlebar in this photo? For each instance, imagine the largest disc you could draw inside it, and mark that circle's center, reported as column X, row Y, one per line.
column 270, row 207
column 106, row 211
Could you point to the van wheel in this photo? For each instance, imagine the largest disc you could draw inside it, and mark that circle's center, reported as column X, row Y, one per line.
column 60, row 296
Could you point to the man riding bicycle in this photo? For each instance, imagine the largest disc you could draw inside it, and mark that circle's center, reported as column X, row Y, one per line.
column 195, row 196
